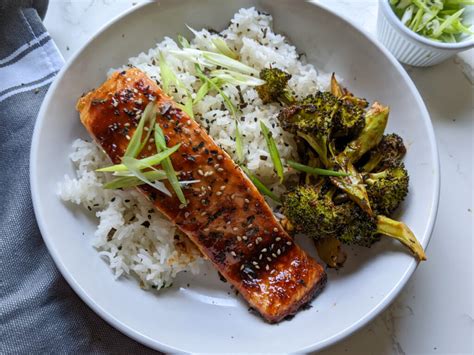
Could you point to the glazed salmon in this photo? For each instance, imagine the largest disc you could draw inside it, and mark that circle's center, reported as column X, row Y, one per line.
column 226, row 217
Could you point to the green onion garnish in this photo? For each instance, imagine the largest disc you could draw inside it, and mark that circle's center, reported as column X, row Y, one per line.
column 235, row 78
column 273, row 150
column 211, row 59
column 223, row 48
column 438, row 20
column 168, row 77
column 167, row 165
column 136, row 145
column 184, row 43
column 132, row 181
column 260, row 186
column 202, row 92
column 230, row 106
column 145, row 162
column 314, row 171
column 134, row 166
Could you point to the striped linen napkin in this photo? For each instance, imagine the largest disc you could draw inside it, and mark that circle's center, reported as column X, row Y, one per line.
column 39, row 313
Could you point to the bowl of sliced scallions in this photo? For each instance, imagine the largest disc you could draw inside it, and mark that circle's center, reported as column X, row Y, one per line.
column 426, row 32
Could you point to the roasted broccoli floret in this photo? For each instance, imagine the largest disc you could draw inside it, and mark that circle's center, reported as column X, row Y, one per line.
column 312, row 210
column 313, row 122
column 275, row 88
column 364, row 230
column 387, row 154
column 387, row 189
column 348, row 119
column 360, row 230
column 341, row 92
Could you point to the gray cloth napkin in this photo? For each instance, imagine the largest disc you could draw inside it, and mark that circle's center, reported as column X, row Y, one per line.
column 39, row 312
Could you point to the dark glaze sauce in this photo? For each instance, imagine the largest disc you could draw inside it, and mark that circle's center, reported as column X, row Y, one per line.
column 225, row 216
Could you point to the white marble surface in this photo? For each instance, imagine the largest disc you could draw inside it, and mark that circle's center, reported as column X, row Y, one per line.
column 434, row 313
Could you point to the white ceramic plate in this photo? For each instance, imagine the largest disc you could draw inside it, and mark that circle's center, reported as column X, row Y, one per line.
column 204, row 317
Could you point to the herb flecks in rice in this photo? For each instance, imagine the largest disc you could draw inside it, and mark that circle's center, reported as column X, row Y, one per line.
column 153, row 251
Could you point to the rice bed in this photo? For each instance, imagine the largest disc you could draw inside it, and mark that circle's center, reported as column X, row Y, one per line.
column 131, row 236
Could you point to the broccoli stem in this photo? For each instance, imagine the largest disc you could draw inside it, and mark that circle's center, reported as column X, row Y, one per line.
column 336, row 89
column 401, row 232
column 353, row 185
column 319, row 147
column 331, row 252
column 372, row 163
column 375, row 122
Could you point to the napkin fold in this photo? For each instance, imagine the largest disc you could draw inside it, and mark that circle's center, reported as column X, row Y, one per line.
column 39, row 312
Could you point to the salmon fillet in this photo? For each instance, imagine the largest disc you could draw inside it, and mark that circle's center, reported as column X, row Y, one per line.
column 226, row 217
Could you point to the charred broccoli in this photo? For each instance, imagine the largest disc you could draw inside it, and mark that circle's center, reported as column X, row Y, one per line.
column 331, row 252
column 371, row 135
column 365, row 230
column 348, row 119
column 312, row 121
column 341, row 92
column 315, row 121
column 312, row 210
column 275, row 88
column 387, row 189
column 349, row 209
column 361, row 229
column 387, row 154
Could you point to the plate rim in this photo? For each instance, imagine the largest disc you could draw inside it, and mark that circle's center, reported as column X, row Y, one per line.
column 156, row 344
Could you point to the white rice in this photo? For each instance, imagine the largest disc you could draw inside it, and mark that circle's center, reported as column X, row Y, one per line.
column 152, row 252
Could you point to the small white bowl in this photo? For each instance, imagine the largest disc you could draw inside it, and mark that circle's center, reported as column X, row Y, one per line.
column 411, row 48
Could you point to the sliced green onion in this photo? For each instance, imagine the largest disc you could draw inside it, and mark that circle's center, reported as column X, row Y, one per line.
column 230, row 106
column 314, row 171
column 209, row 59
column 408, row 15
column 403, row 4
column 150, row 126
column 421, row 5
column 447, row 22
column 167, row 75
column 448, row 3
column 195, row 33
column 168, row 166
column 415, row 23
column 135, row 146
column 188, row 106
column 223, row 48
column 145, row 162
column 260, row 186
column 132, row 181
column 202, row 92
column 438, row 20
column 184, row 43
column 273, row 150
column 235, row 78
column 134, row 166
